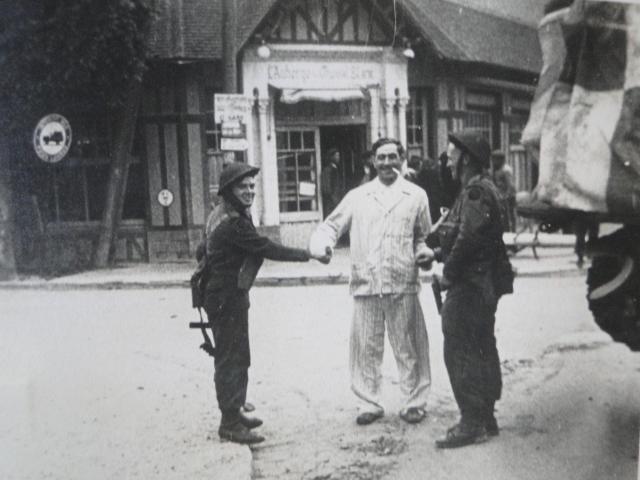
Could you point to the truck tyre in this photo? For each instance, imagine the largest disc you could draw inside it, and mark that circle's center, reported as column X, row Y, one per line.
column 618, row 313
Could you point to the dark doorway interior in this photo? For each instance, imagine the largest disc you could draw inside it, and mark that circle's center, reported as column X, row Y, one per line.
column 350, row 141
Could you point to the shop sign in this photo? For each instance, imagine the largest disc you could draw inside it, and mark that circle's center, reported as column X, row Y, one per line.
column 316, row 75
column 239, row 144
column 52, row 138
column 232, row 111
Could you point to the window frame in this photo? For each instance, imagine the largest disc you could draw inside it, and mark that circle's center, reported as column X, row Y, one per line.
column 81, row 164
column 303, row 216
column 418, row 102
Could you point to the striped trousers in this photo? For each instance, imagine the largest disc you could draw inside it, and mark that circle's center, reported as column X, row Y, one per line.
column 402, row 315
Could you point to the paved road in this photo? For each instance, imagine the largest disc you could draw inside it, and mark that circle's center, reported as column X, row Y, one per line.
column 110, row 385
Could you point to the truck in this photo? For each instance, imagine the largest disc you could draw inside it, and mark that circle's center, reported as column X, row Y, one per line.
column 584, row 133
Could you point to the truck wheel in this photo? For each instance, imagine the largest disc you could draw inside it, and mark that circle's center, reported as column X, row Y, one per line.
column 618, row 313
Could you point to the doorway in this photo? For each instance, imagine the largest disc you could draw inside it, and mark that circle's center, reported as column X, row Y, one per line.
column 350, row 142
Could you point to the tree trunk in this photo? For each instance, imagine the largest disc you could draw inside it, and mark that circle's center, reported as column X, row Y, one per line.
column 119, row 167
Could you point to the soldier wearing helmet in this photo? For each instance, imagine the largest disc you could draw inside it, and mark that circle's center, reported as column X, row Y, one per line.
column 234, row 252
column 469, row 243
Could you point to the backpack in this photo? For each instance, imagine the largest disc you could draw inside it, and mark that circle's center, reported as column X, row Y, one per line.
column 199, row 277
column 502, row 272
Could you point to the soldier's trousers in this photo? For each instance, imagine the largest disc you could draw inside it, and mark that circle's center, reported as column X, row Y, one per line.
column 228, row 314
column 470, row 352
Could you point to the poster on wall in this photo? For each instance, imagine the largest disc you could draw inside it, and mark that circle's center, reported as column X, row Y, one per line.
column 232, row 112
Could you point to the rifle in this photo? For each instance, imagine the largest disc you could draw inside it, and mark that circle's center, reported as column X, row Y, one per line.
column 207, row 345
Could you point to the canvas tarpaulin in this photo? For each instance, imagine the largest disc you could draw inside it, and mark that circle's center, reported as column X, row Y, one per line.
column 584, row 124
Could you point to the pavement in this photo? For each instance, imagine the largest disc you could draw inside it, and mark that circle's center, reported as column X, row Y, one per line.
column 553, row 255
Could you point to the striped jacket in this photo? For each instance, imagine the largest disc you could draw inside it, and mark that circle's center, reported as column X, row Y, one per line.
column 387, row 228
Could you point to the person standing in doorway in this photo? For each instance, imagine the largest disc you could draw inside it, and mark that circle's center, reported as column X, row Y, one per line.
column 388, row 221
column 332, row 181
column 233, row 252
column 474, row 273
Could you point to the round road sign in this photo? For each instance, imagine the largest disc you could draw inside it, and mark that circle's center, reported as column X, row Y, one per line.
column 52, row 138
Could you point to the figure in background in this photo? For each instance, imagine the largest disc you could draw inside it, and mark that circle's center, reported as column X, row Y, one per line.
column 388, row 220
column 368, row 171
column 503, row 178
column 450, row 185
column 414, row 165
column 332, row 181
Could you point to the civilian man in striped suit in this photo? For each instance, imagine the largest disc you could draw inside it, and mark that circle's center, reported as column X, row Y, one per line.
column 387, row 220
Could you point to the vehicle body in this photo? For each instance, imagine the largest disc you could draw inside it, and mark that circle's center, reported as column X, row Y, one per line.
column 584, row 129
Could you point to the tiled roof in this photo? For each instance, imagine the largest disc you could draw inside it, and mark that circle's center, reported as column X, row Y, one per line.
column 187, row 29
column 468, row 35
column 193, row 29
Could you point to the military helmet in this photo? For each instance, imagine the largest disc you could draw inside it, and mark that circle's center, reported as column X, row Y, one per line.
column 474, row 144
column 234, row 172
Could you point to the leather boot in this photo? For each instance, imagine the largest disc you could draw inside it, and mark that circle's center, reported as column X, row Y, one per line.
column 490, row 422
column 463, row 434
column 238, row 433
column 247, row 421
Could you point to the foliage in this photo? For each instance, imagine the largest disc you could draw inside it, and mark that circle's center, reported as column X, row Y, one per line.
column 58, row 55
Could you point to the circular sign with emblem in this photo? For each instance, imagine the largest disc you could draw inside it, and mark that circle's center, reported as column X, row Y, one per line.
column 165, row 197
column 52, row 138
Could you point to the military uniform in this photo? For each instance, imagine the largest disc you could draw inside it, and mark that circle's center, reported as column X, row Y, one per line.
column 471, row 248
column 234, row 252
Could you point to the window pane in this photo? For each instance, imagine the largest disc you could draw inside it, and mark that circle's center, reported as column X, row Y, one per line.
column 281, row 141
column 71, row 199
column 306, row 205
column 97, row 179
column 309, row 140
column 305, row 160
column 418, row 135
column 296, row 140
column 134, row 199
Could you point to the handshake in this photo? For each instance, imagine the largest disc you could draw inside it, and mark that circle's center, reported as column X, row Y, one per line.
column 320, row 251
column 425, row 259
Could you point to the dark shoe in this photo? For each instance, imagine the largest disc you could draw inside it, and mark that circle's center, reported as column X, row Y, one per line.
column 413, row 415
column 491, row 426
column 238, row 433
column 367, row 418
column 462, row 435
column 249, row 422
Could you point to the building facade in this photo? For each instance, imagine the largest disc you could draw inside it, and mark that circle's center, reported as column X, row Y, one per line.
column 315, row 76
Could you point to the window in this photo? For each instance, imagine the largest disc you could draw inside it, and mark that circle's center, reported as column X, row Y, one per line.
column 483, row 116
column 418, row 123
column 75, row 189
column 297, row 171
column 479, row 122
column 415, row 125
column 518, row 119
